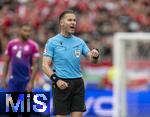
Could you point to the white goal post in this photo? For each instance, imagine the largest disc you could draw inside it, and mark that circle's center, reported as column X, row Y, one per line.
column 119, row 82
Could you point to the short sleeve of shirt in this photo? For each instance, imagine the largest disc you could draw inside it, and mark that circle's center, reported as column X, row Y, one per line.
column 49, row 49
column 8, row 49
column 36, row 51
column 85, row 49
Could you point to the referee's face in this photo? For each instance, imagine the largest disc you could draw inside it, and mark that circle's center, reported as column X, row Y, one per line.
column 68, row 24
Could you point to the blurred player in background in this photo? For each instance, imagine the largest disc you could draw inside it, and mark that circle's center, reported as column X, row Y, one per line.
column 21, row 62
column 64, row 52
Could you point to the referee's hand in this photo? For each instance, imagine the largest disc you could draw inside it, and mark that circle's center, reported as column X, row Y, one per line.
column 62, row 84
column 95, row 53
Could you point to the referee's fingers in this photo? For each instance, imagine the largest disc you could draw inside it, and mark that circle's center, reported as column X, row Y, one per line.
column 64, row 85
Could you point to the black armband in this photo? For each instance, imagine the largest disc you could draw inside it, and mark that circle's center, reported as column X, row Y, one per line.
column 54, row 78
column 98, row 55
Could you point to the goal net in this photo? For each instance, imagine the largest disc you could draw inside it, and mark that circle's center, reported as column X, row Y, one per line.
column 131, row 82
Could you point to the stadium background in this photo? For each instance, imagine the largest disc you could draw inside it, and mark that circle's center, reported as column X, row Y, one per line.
column 98, row 20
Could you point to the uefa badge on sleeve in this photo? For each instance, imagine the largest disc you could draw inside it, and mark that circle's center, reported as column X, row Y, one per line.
column 77, row 53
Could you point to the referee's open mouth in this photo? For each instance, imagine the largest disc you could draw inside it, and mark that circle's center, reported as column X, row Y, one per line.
column 72, row 28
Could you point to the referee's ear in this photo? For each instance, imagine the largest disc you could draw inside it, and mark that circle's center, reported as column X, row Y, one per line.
column 61, row 22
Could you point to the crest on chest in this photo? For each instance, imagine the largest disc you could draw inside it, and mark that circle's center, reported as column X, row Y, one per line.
column 77, row 53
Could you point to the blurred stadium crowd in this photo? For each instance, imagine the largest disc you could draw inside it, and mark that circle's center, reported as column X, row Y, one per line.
column 98, row 20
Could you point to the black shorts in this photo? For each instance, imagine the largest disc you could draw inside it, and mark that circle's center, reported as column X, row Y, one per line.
column 70, row 99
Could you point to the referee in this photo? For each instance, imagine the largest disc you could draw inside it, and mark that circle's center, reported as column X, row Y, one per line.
column 63, row 52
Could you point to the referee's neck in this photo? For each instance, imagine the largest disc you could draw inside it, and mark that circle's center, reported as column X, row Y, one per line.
column 65, row 35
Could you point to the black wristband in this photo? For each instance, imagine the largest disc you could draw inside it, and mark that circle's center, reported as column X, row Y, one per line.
column 54, row 78
column 98, row 55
